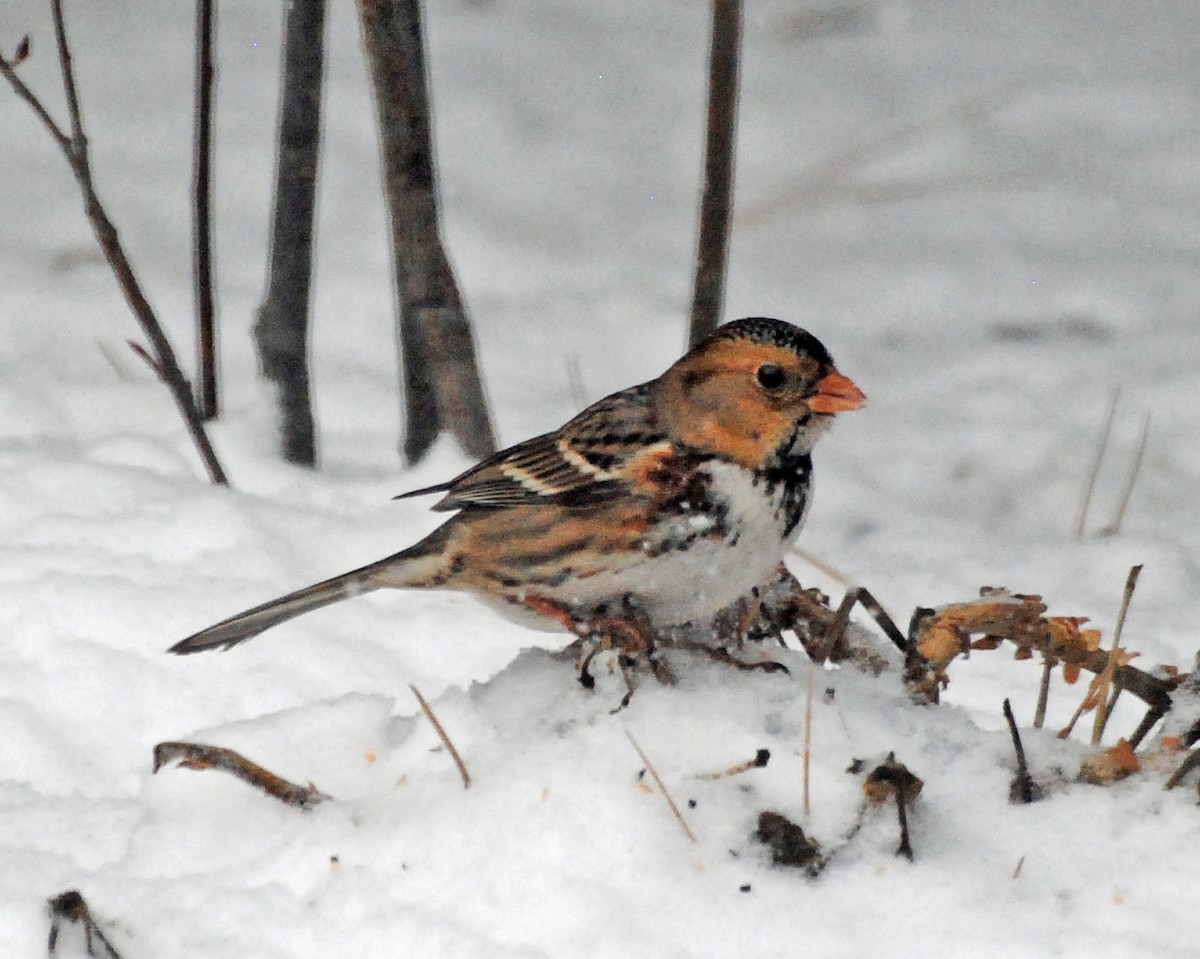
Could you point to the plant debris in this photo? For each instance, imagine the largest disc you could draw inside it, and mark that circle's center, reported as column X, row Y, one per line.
column 71, row 907
column 892, row 779
column 788, row 844
column 202, row 756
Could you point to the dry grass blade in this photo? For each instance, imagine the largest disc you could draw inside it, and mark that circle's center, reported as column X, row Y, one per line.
column 819, row 564
column 1119, row 516
column 662, row 788
column 203, row 756
column 437, row 726
column 1104, row 707
column 579, row 393
column 808, row 715
column 1090, row 486
column 834, row 176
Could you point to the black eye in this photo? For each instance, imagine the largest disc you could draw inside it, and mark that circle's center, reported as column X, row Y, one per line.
column 770, row 376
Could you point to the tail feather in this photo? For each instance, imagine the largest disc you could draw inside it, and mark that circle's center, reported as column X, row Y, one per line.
column 415, row 567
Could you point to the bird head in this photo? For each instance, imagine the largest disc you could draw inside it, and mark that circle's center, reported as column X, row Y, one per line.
column 753, row 391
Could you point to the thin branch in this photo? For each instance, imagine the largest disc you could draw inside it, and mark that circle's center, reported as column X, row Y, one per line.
column 7, row 67
column 68, row 76
column 1090, row 486
column 206, row 347
column 440, row 730
column 720, row 149
column 74, row 148
column 662, row 788
column 202, row 756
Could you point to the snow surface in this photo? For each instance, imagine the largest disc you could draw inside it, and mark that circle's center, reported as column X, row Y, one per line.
column 990, row 212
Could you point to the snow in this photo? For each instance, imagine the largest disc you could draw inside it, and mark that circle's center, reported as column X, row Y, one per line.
column 990, row 213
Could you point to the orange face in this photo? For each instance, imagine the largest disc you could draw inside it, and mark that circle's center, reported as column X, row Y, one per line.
column 743, row 400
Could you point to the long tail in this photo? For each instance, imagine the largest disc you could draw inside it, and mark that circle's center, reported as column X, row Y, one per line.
column 420, row 565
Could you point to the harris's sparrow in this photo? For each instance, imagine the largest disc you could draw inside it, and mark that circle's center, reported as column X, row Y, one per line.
column 656, row 506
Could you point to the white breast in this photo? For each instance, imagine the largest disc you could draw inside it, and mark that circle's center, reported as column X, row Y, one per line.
column 724, row 557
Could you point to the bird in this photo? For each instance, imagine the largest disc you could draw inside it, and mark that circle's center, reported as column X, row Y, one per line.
column 655, row 507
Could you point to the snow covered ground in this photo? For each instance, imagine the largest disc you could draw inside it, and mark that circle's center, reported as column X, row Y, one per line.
column 989, row 212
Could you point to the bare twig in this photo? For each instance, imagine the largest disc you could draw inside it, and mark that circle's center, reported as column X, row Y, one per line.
column 905, row 848
column 761, row 758
column 1039, row 714
column 1089, row 487
column 1105, row 705
column 864, row 598
column 1069, row 728
column 1154, row 713
column 662, row 788
column 206, row 348
column 1022, row 786
column 1190, row 762
column 71, row 907
column 720, row 147
column 203, row 756
column 1118, row 517
column 142, row 354
column 75, row 149
column 440, row 730
column 7, row 67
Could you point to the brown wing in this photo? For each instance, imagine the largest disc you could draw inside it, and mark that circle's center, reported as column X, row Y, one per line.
column 589, row 460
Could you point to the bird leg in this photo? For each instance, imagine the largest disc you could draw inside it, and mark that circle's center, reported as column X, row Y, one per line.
column 628, row 631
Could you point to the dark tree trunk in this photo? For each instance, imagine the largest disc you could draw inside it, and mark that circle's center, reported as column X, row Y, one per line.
column 206, row 335
column 708, row 296
column 442, row 389
column 281, row 331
